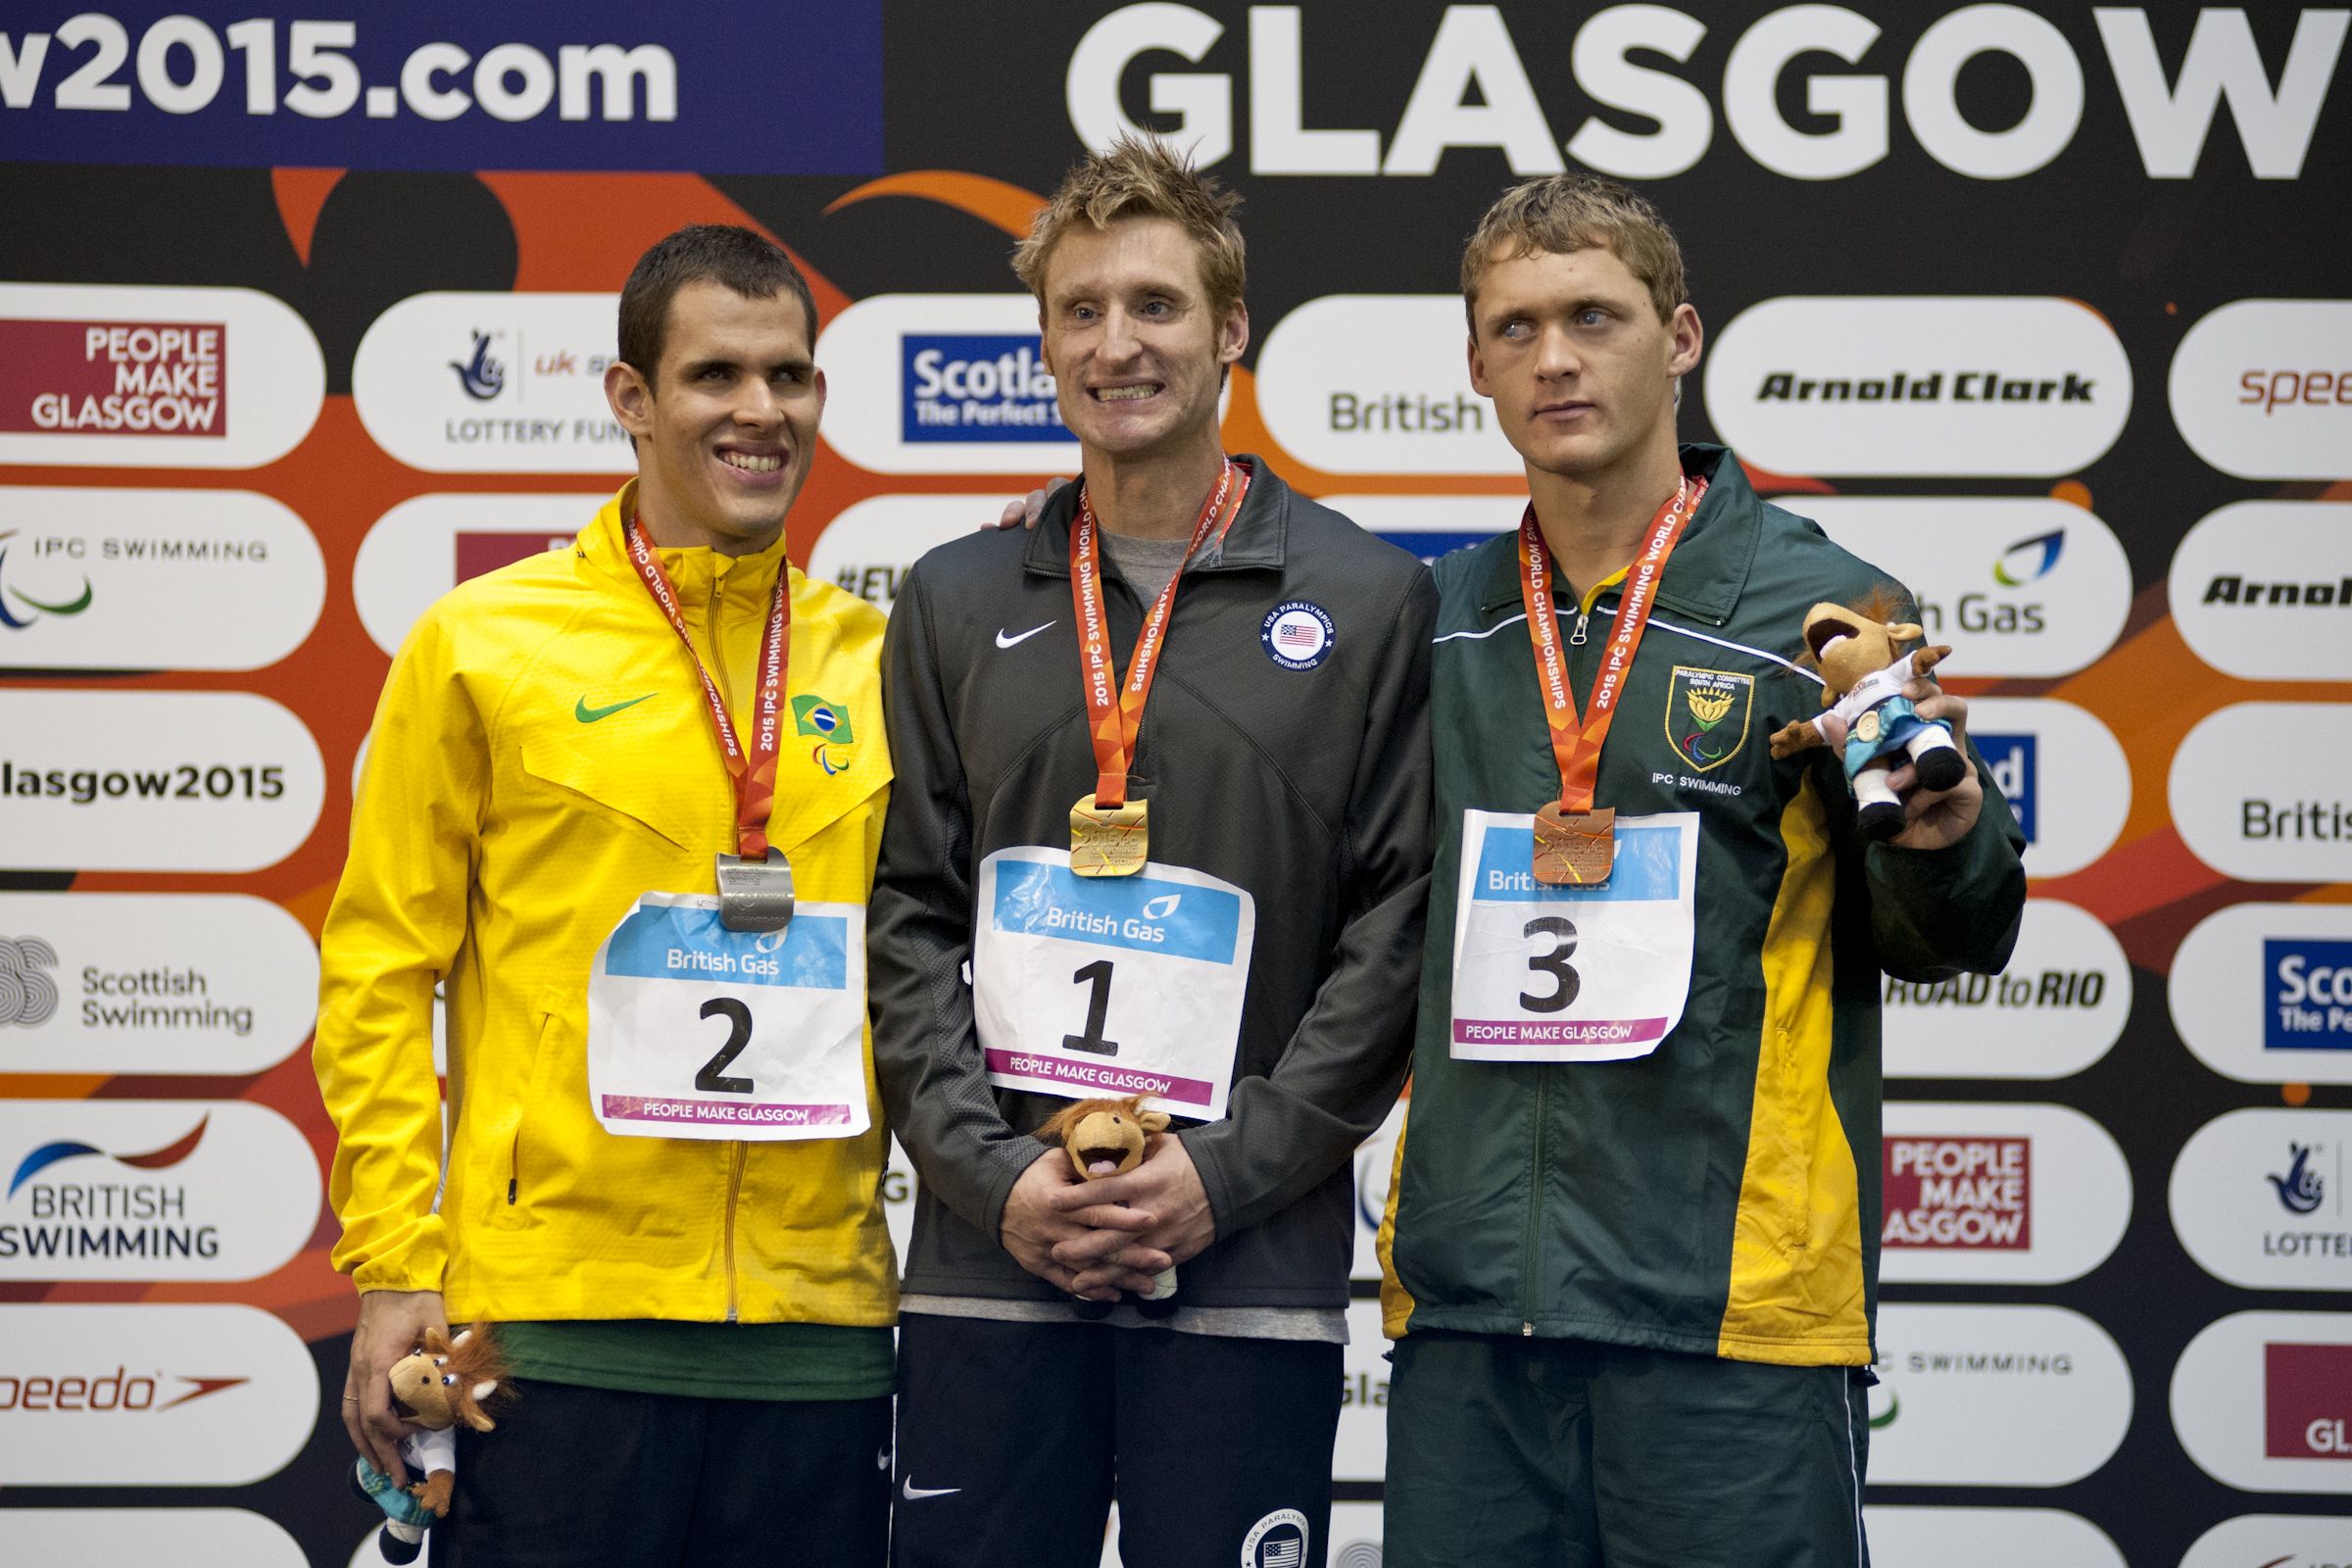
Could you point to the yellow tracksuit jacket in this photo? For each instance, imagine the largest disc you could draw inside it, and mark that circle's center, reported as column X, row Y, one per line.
column 542, row 753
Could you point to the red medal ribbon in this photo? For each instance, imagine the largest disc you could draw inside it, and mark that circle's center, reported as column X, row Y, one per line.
column 1115, row 715
column 1576, row 745
column 754, row 776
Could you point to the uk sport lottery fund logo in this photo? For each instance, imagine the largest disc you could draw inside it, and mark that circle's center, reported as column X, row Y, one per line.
column 493, row 383
column 2257, row 1197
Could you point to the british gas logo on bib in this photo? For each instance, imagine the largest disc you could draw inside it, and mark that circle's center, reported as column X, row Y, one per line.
column 1136, row 911
column 677, row 943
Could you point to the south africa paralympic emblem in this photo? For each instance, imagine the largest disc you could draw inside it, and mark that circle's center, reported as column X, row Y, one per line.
column 1707, row 714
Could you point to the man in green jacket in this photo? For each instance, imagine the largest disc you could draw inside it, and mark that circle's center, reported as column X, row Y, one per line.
column 1632, row 1243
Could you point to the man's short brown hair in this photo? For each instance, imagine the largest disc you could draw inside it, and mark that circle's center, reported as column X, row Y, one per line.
column 1577, row 213
column 737, row 258
column 1139, row 177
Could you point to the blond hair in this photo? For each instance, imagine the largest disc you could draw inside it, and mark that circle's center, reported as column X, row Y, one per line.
column 1139, row 177
column 1577, row 213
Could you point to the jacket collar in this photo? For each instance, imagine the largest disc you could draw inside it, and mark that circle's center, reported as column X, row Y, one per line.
column 1711, row 562
column 604, row 551
column 1256, row 541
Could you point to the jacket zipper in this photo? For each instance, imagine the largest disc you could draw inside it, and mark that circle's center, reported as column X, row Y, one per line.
column 1584, row 618
column 736, row 1152
column 1534, row 1205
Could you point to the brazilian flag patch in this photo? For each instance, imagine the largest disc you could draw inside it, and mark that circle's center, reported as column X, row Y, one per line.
column 827, row 722
column 1706, row 714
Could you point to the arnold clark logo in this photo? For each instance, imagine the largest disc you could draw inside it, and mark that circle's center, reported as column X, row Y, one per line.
column 2063, row 773
column 2257, row 792
column 2059, row 1006
column 1377, row 383
column 1994, row 1397
column 868, row 549
column 493, row 383
column 2020, row 586
column 153, row 580
column 428, row 544
column 2255, row 992
column 154, row 1394
column 1998, row 1193
column 943, row 383
column 1921, row 385
column 2263, row 589
column 2262, row 388
column 164, row 983
column 2258, row 1198
column 154, row 781
column 152, row 1190
column 94, row 374
column 2263, row 1400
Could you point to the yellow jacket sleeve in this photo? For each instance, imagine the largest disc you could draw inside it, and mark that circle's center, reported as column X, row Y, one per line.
column 397, row 923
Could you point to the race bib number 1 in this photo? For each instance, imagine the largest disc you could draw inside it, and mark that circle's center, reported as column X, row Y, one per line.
column 1111, row 986
column 1548, row 972
column 696, row 1031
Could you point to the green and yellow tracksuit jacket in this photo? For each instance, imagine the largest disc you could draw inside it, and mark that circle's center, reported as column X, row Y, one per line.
column 1720, row 1195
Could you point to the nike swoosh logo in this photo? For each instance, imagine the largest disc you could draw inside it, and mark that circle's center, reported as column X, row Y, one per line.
column 1004, row 640
column 589, row 716
column 914, row 1493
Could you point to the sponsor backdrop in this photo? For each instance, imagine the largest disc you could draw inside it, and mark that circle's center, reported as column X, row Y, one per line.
column 302, row 323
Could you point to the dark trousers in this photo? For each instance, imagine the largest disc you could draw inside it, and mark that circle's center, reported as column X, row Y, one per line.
column 1014, row 1438
column 595, row 1477
column 1565, row 1454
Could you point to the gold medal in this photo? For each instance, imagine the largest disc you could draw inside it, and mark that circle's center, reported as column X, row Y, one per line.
column 1109, row 840
column 1575, row 848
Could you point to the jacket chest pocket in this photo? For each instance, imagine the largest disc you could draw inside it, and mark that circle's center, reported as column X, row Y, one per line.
column 665, row 779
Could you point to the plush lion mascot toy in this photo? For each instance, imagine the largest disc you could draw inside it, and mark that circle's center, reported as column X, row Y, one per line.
column 440, row 1382
column 1862, row 685
column 1110, row 1138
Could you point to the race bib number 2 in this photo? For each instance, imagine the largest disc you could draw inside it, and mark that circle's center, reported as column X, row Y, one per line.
column 696, row 1031
column 1110, row 986
column 1568, row 973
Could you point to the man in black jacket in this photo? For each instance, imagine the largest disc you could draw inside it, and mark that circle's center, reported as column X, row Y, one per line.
column 1160, row 826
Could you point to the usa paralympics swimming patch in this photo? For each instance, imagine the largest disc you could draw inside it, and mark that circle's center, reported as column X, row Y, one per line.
column 1297, row 635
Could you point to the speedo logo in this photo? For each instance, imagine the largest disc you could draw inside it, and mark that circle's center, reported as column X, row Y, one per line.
column 119, row 1391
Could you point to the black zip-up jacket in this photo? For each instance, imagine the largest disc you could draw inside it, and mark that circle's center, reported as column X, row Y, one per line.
column 1308, row 787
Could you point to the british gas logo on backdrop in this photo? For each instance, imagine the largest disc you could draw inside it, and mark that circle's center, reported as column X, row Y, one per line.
column 1984, row 1193
column 2262, row 388
column 427, row 545
column 992, row 387
column 2254, row 993
column 156, row 1394
column 2012, row 386
column 2263, row 1401
column 154, row 781
column 2019, row 586
column 153, row 580
column 1376, row 383
column 1994, row 1397
column 164, row 983
column 2059, row 1007
column 2257, row 792
column 868, row 549
column 2258, row 1198
column 152, row 1190
column 2263, row 589
column 942, row 383
column 115, row 376
column 493, row 383
column 2062, row 772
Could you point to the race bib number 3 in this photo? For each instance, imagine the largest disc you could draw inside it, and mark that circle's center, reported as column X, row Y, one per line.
column 696, row 1031
column 1567, row 973
column 1086, row 985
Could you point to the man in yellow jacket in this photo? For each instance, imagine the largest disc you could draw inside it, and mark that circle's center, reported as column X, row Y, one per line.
column 598, row 783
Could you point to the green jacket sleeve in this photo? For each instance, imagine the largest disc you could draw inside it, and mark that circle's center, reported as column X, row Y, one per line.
column 1939, row 913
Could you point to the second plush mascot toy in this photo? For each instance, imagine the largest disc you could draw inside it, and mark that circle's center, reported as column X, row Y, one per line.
column 441, row 1382
column 1862, row 685
column 1110, row 1138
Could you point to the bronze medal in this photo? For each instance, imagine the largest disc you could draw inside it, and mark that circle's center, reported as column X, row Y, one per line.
column 1575, row 848
column 1109, row 840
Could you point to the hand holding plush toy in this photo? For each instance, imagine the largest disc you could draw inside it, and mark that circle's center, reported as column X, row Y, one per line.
column 1862, row 685
column 1110, row 1138
column 435, row 1386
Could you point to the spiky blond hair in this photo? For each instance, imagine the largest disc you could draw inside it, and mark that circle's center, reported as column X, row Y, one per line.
column 1577, row 213
column 1141, row 178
